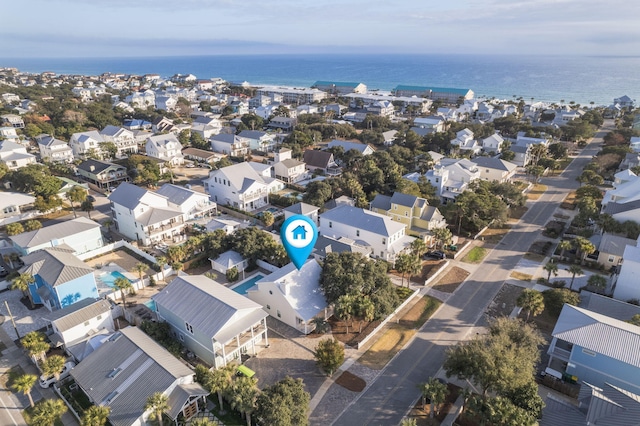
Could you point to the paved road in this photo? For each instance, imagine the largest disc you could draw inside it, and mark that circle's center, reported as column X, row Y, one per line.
column 388, row 399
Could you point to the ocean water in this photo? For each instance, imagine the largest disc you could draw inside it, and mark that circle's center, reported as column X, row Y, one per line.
column 586, row 79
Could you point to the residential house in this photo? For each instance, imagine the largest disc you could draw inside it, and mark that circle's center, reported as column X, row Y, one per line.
column 325, row 245
column 54, row 150
column 127, row 369
column 166, row 103
column 9, row 133
column 228, row 260
column 86, row 142
column 622, row 193
column 61, row 279
column 257, row 140
column 445, row 94
column 162, row 125
column 202, row 155
column 101, row 173
column 624, row 101
column 136, row 124
column 630, row 160
column 340, row 87
column 626, row 285
column 12, row 120
column 389, row 137
column 362, row 148
column 15, row 155
column 80, row 234
column 381, row 108
column 611, row 249
column 303, row 209
column 242, row 186
column 122, row 138
column 287, row 169
column 623, row 211
column 493, row 143
column 166, row 148
column 73, row 325
column 432, row 124
column 13, row 204
column 293, row 296
column 465, row 141
column 146, row 216
column 322, row 161
column 205, row 130
column 229, row 144
column 192, row 204
column 385, row 237
column 286, row 124
column 522, row 154
column 215, row 323
column 495, row 169
column 597, row 349
column 451, row 177
column 228, row 225
column 141, row 100
column 293, row 95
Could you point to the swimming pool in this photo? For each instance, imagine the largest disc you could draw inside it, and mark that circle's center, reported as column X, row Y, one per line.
column 151, row 304
column 109, row 278
column 243, row 287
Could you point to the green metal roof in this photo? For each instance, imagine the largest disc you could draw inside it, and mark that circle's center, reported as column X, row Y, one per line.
column 432, row 89
column 336, row 83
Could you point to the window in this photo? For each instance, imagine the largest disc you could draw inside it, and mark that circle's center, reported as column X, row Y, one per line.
column 181, row 336
column 357, row 232
column 86, row 323
column 611, row 258
column 268, row 306
column 406, row 214
column 384, row 241
column 278, row 312
column 99, row 317
column 188, row 327
column 330, row 224
column 395, row 207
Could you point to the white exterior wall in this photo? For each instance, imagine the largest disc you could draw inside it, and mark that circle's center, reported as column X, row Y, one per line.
column 275, row 303
column 627, row 286
column 223, row 192
column 81, row 331
column 57, row 152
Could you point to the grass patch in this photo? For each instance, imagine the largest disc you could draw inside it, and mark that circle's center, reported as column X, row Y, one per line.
column 536, row 191
column 494, row 235
column 429, row 306
column 562, row 164
column 520, row 276
column 230, row 417
column 386, row 347
column 516, row 212
column 534, row 257
column 451, row 280
column 475, row 255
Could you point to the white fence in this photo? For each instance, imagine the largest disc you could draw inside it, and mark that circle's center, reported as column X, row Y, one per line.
column 114, row 246
column 437, row 274
column 264, row 265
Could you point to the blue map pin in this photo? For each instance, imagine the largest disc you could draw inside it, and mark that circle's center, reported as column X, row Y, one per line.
column 298, row 235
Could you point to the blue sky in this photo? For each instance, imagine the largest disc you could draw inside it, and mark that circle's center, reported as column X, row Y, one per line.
column 77, row 28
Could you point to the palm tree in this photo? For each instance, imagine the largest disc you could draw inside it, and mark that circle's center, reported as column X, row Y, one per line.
column 47, row 411
column 24, row 384
column 551, row 268
column 34, row 343
column 87, row 206
column 366, row 310
column 53, row 366
column 21, row 282
column 108, row 223
column 443, row 236
column 140, row 268
column 574, row 270
column 343, row 309
column 531, row 301
column 161, row 261
column 124, row 285
column 564, row 245
column 96, row 415
column 158, row 403
column 584, row 247
column 219, row 381
column 418, row 247
column 436, row 391
column 7, row 259
column 76, row 195
column 597, row 281
column 244, row 394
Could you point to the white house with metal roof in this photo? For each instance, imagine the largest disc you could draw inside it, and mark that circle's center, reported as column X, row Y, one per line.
column 217, row 324
column 127, row 369
column 385, row 237
column 15, row 155
column 165, row 147
column 81, row 234
column 597, row 349
column 626, row 286
column 495, row 169
column 145, row 216
column 122, row 138
column 293, row 296
column 54, row 149
column 193, row 204
column 83, row 142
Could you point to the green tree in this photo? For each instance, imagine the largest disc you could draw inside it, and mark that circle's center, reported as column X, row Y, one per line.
column 285, row 403
column 175, row 254
column 318, row 193
column 584, row 246
column 564, row 245
column 35, row 344
column 22, row 282
column 53, row 366
column 407, row 264
column 158, row 403
column 635, row 320
column 527, row 398
column 76, row 195
column 96, row 415
column 243, row 394
column 47, row 411
column 124, row 285
column 267, row 218
column 364, row 310
column 87, row 206
column 108, row 150
column 202, row 422
column 418, row 247
column 24, row 384
column 597, row 282
column 14, row 228
column 551, row 268
column 555, row 298
column 443, row 236
column 531, row 301
column 161, row 261
column 435, row 391
column 329, row 354
column 535, row 171
column 344, row 308
column 140, row 268
column 574, row 270
column 219, row 381
column 32, row 225
column 232, row 274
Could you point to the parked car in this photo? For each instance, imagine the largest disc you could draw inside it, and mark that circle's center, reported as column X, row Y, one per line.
column 436, row 254
column 3, row 272
column 46, row 381
column 91, row 198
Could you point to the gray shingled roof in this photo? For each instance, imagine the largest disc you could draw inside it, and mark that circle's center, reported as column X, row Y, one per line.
column 494, row 163
column 80, row 312
column 614, row 244
column 98, row 166
column 54, row 232
column 613, row 308
column 145, row 368
column 301, row 208
column 157, row 215
column 404, row 199
column 208, row 306
column 315, row 158
column 604, row 335
column 127, row 195
column 363, row 219
column 181, row 394
column 382, row 202
column 55, row 266
column 615, row 208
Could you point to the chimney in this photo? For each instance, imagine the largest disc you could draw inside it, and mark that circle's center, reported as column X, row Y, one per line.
column 92, row 168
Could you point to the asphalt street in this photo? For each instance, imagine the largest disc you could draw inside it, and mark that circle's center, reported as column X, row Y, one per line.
column 391, row 396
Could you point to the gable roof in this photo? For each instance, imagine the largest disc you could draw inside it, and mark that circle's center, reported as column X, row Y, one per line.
column 363, row 219
column 98, row 166
column 55, row 265
column 494, row 163
column 242, row 175
column 210, row 307
column 125, row 370
column 614, row 244
column 127, row 195
column 406, row 200
column 613, row 207
column 81, row 311
column 316, row 158
column 348, row 145
column 53, row 232
column 178, row 194
column 604, row 335
column 382, row 202
column 608, row 306
column 301, row 208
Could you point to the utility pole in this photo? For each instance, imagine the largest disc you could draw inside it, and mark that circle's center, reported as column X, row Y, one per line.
column 12, row 320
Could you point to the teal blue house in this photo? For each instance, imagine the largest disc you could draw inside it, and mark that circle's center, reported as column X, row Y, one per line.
column 61, row 279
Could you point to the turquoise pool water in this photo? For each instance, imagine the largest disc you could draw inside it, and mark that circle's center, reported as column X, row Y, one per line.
column 151, row 304
column 110, row 278
column 243, row 287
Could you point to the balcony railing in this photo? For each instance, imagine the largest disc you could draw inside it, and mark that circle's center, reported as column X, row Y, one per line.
column 560, row 353
column 156, row 229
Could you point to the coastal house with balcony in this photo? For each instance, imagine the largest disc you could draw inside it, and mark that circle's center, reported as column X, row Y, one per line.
column 123, row 139
column 15, row 155
column 445, row 94
column 465, row 141
column 244, row 185
column 293, row 296
column 13, row 205
column 214, row 322
column 596, row 349
column 384, row 237
column 54, row 150
column 9, row 133
column 166, row 148
column 451, row 177
column 192, row 204
column 287, row 169
column 431, row 124
column 229, row 144
column 292, row 95
column 127, row 369
column 258, row 140
column 495, row 169
column 80, row 235
column 493, row 143
column 363, row 148
column 83, row 142
column 61, row 279
column 101, row 173
column 12, row 120
column 145, row 216
column 316, row 160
